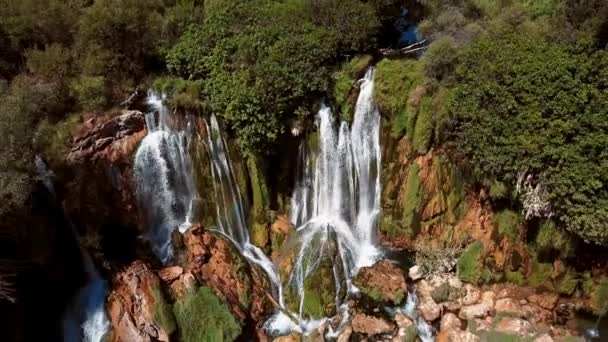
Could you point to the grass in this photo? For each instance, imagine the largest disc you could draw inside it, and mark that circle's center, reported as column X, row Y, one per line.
column 201, row 316
column 469, row 266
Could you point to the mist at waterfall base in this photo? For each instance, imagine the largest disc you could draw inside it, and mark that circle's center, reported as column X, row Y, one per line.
column 85, row 318
column 335, row 203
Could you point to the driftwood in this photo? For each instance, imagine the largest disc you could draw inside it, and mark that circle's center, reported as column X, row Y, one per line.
column 421, row 45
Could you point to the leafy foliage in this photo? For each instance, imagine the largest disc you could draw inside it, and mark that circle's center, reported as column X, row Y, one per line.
column 201, row 316
column 526, row 104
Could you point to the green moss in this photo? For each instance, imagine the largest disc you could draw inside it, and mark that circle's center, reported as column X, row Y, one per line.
column 201, row 316
column 588, row 284
column 441, row 293
column 319, row 293
column 163, row 316
column 498, row 191
column 469, row 266
column 344, row 80
column 259, row 234
column 488, row 276
column 568, row 282
column 599, row 297
column 413, row 198
column 507, row 224
column 258, row 188
column 410, row 334
column 421, row 137
column 394, row 80
column 541, row 275
column 516, row 278
column 550, row 238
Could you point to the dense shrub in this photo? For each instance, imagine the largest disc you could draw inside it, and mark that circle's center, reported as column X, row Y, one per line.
column 89, row 91
column 201, row 316
column 507, row 224
column 469, row 266
column 527, row 105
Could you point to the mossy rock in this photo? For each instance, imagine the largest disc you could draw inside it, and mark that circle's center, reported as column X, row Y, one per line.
column 568, row 282
column 319, row 293
column 384, row 283
column 259, row 234
column 423, row 131
column 516, row 278
column 259, row 189
column 540, row 276
column 414, row 192
column 202, row 316
column 344, row 79
column 469, row 266
column 552, row 239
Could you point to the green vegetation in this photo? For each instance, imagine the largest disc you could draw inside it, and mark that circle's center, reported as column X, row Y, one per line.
column 516, row 278
column 424, row 126
column 395, row 81
column 568, row 282
column 201, row 316
column 344, row 80
column 550, row 238
column 413, row 198
column 470, row 263
column 498, row 191
column 507, row 224
column 599, row 298
column 540, row 276
column 163, row 316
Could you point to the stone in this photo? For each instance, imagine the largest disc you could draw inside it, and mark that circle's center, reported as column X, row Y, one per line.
column 370, row 325
column 544, row 338
column 450, row 321
column 454, row 282
column 132, row 306
column 546, row 300
column 515, row 326
column 183, row 284
column 471, row 295
column 488, row 298
column 384, row 281
column 509, row 305
column 288, row 338
column 429, row 310
column 169, row 274
column 475, row 311
column 415, row 273
column 456, row 336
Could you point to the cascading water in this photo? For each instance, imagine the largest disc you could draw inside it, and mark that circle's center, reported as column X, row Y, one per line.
column 337, row 199
column 163, row 171
column 85, row 320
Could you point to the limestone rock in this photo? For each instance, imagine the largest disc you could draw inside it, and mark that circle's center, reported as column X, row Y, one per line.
column 384, row 281
column 132, row 306
column 475, row 311
column 168, row 274
column 471, row 295
column 450, row 321
column 403, row 321
column 415, row 272
column 544, row 338
column 370, row 325
column 546, row 300
column 457, row 336
column 515, row 326
column 345, row 334
column 429, row 310
column 509, row 305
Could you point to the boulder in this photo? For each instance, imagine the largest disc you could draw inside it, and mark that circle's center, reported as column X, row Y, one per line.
column 415, row 273
column 370, row 325
column 545, row 300
column 488, row 298
column 509, row 305
column 345, row 334
column 403, row 321
column 427, row 306
column 472, row 294
column 515, row 326
column 384, row 281
column 475, row 311
column 137, row 308
column 169, row 274
column 450, row 321
column 456, row 336
column 544, row 338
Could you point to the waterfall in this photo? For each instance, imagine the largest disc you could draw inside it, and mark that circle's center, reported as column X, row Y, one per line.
column 85, row 319
column 336, row 200
column 424, row 330
column 164, row 178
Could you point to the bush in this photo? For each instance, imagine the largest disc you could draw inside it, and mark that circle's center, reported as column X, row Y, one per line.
column 524, row 104
column 507, row 224
column 550, row 238
column 51, row 64
column 394, row 81
column 498, row 191
column 89, row 91
column 599, row 298
column 201, row 316
column 568, row 282
column 540, row 276
column 469, row 266
column 440, row 58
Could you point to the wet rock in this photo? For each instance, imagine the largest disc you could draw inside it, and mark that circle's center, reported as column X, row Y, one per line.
column 136, row 307
column 450, row 321
column 515, row 326
column 475, row 311
column 415, row 272
column 370, row 325
column 384, row 281
column 546, row 300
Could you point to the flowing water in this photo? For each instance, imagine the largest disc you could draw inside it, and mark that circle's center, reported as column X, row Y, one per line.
column 85, row 319
column 335, row 203
column 164, row 177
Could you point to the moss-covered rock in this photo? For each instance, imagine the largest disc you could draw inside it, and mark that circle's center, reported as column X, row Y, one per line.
column 507, row 225
column 413, row 198
column 540, row 275
column 568, row 282
column 202, row 316
column 552, row 239
column 163, row 315
column 382, row 282
column 319, row 293
column 423, row 132
column 469, row 266
column 344, row 80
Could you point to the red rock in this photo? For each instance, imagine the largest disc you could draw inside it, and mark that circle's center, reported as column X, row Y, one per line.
column 515, row 326
column 171, row 273
column 545, row 300
column 449, row 321
column 384, row 278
